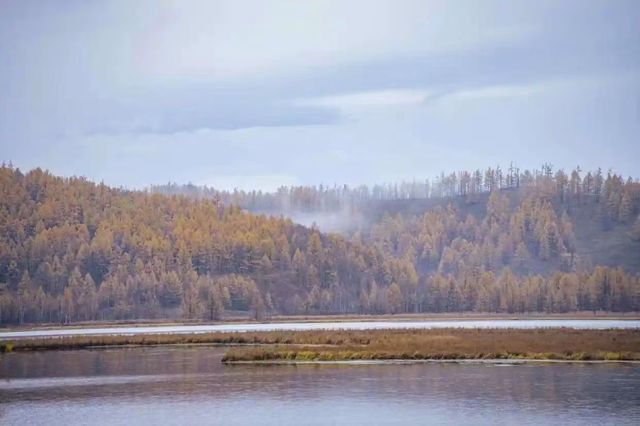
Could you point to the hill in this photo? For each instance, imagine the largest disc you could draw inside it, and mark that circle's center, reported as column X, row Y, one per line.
column 73, row 250
column 602, row 211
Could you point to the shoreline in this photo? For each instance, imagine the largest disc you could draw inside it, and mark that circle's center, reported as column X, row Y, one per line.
column 377, row 345
column 399, row 361
column 335, row 326
column 313, row 319
column 469, row 316
column 454, row 344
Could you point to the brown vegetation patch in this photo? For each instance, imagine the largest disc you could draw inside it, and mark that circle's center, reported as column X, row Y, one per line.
column 561, row 344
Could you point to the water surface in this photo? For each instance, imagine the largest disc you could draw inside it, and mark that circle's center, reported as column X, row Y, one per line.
column 346, row 325
column 189, row 385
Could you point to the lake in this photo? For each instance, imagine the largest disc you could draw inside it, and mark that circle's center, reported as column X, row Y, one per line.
column 343, row 325
column 189, row 385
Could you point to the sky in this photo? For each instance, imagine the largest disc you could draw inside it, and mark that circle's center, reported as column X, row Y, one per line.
column 249, row 94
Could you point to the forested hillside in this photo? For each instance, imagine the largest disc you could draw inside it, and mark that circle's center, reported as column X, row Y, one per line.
column 602, row 209
column 72, row 250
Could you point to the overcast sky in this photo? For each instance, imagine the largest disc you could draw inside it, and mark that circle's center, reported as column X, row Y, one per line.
column 262, row 94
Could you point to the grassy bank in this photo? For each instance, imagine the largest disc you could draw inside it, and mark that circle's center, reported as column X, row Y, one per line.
column 82, row 342
column 553, row 344
column 327, row 345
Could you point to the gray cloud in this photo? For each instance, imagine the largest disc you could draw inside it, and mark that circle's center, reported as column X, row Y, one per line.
column 194, row 90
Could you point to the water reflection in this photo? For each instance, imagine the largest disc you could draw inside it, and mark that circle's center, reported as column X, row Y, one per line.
column 188, row 385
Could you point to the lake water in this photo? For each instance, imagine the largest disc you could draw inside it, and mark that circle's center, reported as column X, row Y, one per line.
column 189, row 385
column 347, row 325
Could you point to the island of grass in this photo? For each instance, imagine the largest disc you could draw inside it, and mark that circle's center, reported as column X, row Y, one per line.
column 449, row 344
column 336, row 345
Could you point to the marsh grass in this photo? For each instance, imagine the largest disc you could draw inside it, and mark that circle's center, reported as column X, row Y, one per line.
column 449, row 344
column 333, row 345
column 218, row 338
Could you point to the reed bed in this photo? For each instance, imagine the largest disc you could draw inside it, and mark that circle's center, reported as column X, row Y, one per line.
column 218, row 338
column 331, row 345
column 553, row 344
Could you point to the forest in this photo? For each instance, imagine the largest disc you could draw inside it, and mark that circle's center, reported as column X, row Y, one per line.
column 485, row 241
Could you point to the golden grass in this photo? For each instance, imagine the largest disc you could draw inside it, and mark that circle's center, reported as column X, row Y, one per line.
column 224, row 338
column 555, row 344
column 81, row 342
column 329, row 345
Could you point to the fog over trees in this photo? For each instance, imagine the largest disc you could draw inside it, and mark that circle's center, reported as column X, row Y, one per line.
column 485, row 241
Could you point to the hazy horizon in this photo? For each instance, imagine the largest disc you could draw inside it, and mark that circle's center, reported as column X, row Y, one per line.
column 256, row 96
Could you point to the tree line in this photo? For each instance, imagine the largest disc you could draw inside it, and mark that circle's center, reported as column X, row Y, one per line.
column 576, row 185
column 72, row 250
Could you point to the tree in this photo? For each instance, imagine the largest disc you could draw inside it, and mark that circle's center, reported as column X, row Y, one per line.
column 626, row 208
column 213, row 299
column 394, row 299
column 258, row 307
column 522, row 256
column 24, row 296
column 314, row 248
column 72, row 250
column 268, row 303
column 635, row 230
column 171, row 289
column 191, row 306
column 86, row 298
column 485, row 301
column 363, row 302
column 496, row 207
